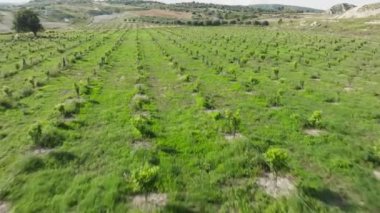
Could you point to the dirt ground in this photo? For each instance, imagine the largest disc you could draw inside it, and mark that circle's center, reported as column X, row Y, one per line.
column 276, row 187
column 163, row 13
column 3, row 207
column 6, row 21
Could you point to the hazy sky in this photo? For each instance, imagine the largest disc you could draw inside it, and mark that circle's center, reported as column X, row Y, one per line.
column 322, row 4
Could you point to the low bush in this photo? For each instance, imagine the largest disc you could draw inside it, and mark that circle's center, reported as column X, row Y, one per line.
column 138, row 101
column 315, row 120
column 26, row 92
column 6, row 103
column 31, row 164
column 45, row 137
column 143, row 124
column 69, row 108
column 144, row 179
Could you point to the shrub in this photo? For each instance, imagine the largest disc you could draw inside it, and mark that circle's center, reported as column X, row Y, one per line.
column 140, row 89
column 6, row 103
column 315, row 120
column 47, row 138
column 7, row 91
column 77, row 89
column 144, row 179
column 25, row 92
column 139, row 101
column 185, row 78
column 277, row 159
column 233, row 75
column 250, row 84
column 60, row 158
column 143, row 125
column 300, row 86
column 373, row 155
column 206, row 102
column 276, row 72
column 232, row 121
column 275, row 101
column 69, row 108
column 32, row 164
column 32, row 81
column 196, row 87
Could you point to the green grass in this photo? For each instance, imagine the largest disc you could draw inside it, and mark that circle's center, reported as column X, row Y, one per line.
column 106, row 152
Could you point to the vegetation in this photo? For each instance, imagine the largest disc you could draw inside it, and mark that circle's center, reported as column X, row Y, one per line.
column 95, row 117
column 27, row 21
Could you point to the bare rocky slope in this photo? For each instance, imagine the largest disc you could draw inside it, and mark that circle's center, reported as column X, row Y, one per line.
column 368, row 10
column 340, row 8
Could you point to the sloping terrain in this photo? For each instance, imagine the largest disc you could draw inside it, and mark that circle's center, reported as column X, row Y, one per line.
column 5, row 21
column 365, row 11
column 340, row 8
column 163, row 13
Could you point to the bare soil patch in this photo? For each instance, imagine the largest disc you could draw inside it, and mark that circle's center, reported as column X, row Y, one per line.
column 209, row 111
column 164, row 13
column 4, row 207
column 42, row 151
column 376, row 173
column 141, row 145
column 151, row 202
column 231, row 137
column 348, row 89
column 314, row 132
column 276, row 187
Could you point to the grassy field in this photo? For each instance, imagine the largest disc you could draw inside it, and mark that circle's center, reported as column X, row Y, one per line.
column 183, row 119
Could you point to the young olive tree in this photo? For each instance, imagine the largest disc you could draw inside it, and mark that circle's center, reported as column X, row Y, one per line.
column 233, row 121
column 144, row 179
column 277, row 160
column 315, row 120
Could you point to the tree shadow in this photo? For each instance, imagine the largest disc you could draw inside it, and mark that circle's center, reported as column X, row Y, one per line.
column 328, row 197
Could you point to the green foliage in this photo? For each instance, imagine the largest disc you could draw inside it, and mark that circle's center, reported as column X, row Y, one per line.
column 206, row 102
column 27, row 20
column 143, row 124
column 144, row 179
column 31, row 164
column 6, row 103
column 277, row 159
column 249, row 86
column 315, row 120
column 45, row 137
column 77, row 89
column 139, row 101
column 276, row 73
column 233, row 121
column 69, row 108
column 26, row 92
column 114, row 129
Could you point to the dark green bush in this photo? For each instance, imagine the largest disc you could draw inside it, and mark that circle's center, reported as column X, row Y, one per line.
column 6, row 103
column 143, row 124
column 31, row 164
column 48, row 137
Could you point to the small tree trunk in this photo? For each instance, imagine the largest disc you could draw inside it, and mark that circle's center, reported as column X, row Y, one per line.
column 275, row 179
column 35, row 33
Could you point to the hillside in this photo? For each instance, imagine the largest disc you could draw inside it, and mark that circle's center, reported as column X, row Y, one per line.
column 368, row 10
column 284, row 8
column 340, row 8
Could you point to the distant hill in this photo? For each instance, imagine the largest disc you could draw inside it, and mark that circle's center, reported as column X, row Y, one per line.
column 340, row 8
column 284, row 8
